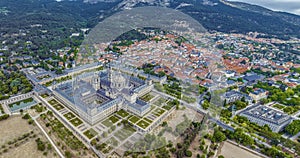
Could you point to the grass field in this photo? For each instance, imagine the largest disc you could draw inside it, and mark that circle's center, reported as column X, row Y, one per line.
column 44, row 95
column 52, row 102
column 143, row 124
column 76, row 122
column 147, row 97
column 148, row 120
column 122, row 113
column 277, row 106
column 90, row 133
column 158, row 112
column 134, row 119
column 58, row 106
column 110, row 121
column 69, row 115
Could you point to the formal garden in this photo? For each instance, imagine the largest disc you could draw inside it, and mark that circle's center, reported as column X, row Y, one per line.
column 76, row 122
column 133, row 119
column 110, row 121
column 147, row 97
column 143, row 124
column 91, row 133
column 69, row 115
column 124, row 133
column 56, row 105
column 122, row 113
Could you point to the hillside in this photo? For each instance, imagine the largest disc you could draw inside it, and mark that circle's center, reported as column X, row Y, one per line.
column 48, row 24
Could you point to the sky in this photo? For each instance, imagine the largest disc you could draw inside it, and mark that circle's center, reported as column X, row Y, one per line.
column 291, row 6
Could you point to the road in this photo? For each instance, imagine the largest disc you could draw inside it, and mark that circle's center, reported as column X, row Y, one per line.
column 221, row 124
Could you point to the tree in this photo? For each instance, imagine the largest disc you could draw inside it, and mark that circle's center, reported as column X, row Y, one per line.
column 40, row 144
column 293, row 128
column 188, row 153
column 226, row 113
column 205, row 105
column 68, row 154
column 164, row 124
column 218, row 136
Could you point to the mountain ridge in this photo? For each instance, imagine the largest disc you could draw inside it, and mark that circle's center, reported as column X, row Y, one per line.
column 214, row 15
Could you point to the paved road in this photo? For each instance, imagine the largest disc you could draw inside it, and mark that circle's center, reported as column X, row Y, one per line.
column 221, row 124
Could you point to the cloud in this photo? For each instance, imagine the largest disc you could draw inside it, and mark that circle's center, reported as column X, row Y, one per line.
column 291, row 6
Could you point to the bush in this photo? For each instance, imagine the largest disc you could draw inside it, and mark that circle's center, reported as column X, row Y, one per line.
column 4, row 117
column 188, row 153
column 26, row 116
column 40, row 144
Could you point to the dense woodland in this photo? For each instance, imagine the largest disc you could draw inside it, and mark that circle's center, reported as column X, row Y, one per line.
column 12, row 83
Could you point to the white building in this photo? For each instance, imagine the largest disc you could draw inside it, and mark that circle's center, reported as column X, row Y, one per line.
column 263, row 115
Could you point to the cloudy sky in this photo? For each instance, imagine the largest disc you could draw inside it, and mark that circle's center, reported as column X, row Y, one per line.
column 291, row 6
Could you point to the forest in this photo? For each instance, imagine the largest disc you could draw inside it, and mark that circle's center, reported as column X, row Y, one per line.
column 12, row 83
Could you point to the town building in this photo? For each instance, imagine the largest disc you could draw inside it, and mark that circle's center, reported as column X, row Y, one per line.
column 259, row 94
column 263, row 115
column 232, row 96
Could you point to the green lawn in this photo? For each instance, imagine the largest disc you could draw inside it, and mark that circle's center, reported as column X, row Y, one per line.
column 277, row 106
column 69, row 115
column 147, row 97
column 44, row 95
column 122, row 113
column 52, row 102
column 58, row 106
column 148, row 120
column 76, row 122
column 134, row 119
column 143, row 124
column 158, row 112
column 90, row 133
column 110, row 121
column 168, row 107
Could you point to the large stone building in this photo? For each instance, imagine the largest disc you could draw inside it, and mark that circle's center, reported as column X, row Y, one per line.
column 96, row 95
column 263, row 115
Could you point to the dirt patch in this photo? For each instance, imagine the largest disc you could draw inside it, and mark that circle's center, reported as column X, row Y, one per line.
column 28, row 149
column 12, row 128
column 18, row 140
column 232, row 151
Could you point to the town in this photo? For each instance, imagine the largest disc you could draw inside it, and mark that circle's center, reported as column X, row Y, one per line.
column 154, row 96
